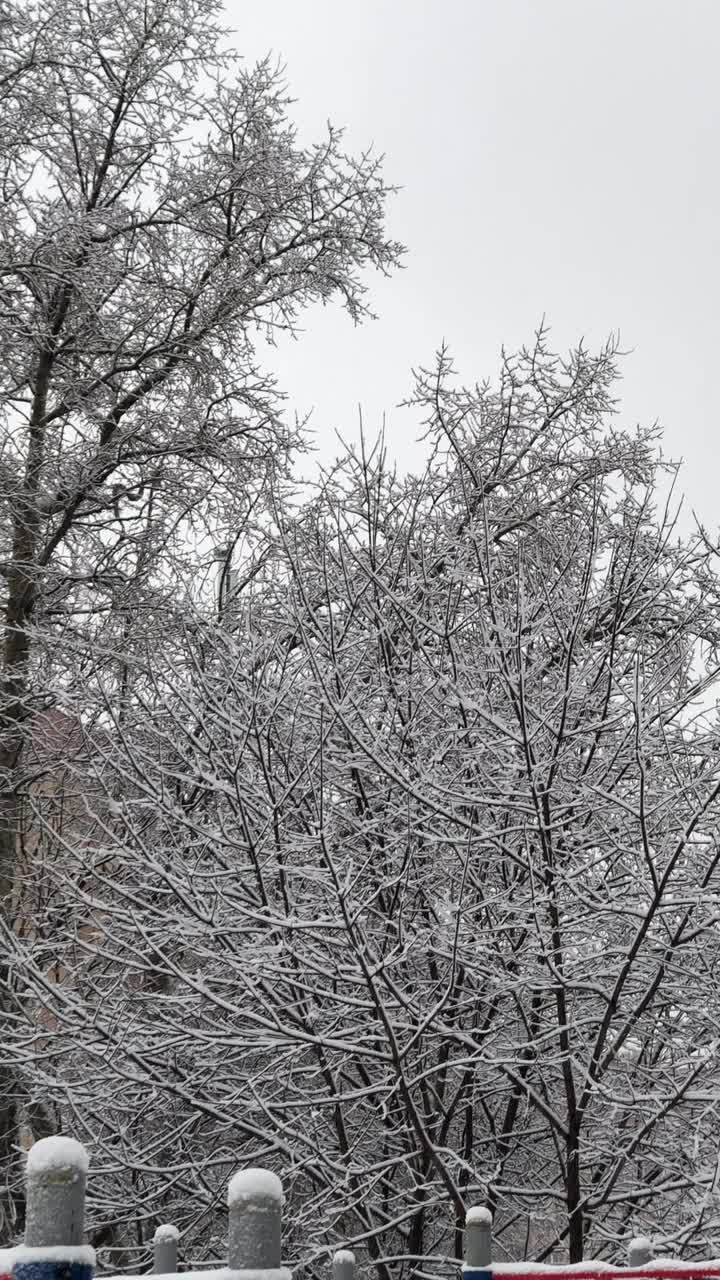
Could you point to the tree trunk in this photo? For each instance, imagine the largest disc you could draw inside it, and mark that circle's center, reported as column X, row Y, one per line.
column 22, row 595
column 574, row 1207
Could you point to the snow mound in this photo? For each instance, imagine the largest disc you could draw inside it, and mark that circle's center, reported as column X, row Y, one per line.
column 640, row 1242
column 166, row 1231
column 220, row 1273
column 273, row 1273
column 24, row 1254
column 57, row 1153
column 478, row 1216
column 344, row 1255
column 249, row 1186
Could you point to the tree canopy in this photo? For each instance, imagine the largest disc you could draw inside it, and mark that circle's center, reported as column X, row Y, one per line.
column 403, row 874
column 158, row 214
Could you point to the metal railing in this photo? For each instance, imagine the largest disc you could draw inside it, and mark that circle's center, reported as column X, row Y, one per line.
column 55, row 1249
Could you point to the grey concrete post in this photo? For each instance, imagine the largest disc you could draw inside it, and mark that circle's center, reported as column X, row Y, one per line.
column 165, row 1248
column 255, row 1201
column 56, row 1173
column 640, row 1251
column 478, row 1237
column 343, row 1265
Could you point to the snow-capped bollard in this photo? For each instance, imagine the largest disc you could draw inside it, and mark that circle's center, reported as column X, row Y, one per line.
column 478, row 1241
column 255, row 1201
column 56, row 1173
column 343, row 1265
column 165, row 1249
column 640, row 1251
column 55, row 1216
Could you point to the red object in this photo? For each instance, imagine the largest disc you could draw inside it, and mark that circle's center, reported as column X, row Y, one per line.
column 691, row 1271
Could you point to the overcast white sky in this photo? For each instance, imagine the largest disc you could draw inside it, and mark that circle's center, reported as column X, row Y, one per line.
column 557, row 157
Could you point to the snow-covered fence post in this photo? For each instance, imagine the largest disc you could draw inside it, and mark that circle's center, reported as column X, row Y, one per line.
column 478, row 1243
column 343, row 1265
column 640, row 1251
column 55, row 1214
column 255, row 1201
column 56, row 1173
column 165, row 1248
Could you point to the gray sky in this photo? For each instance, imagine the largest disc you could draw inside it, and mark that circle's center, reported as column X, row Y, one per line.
column 557, row 158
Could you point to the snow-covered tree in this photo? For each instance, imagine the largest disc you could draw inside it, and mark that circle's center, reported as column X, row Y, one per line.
column 158, row 215
column 405, row 874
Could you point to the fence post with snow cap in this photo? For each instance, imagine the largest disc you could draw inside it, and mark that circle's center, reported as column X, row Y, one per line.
column 54, row 1248
column 343, row 1265
column 478, row 1244
column 165, row 1249
column 255, row 1200
column 640, row 1251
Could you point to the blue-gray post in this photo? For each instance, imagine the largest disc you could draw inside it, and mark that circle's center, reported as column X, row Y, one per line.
column 55, row 1213
column 255, row 1200
column 640, row 1251
column 165, row 1249
column 478, row 1244
column 343, row 1265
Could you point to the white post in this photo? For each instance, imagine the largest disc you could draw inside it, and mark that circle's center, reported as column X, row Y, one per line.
column 165, row 1247
column 343, row 1265
column 255, row 1201
column 478, row 1238
column 640, row 1251
column 56, row 1174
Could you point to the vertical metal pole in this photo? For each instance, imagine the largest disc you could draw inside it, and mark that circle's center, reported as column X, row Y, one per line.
column 343, row 1265
column 640, row 1251
column 165, row 1248
column 56, row 1173
column 478, row 1239
column 255, row 1200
